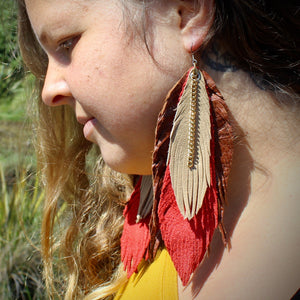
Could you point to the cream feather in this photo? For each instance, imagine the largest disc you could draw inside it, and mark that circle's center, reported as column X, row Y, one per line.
column 190, row 184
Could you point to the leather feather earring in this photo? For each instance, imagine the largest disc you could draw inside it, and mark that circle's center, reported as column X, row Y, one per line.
column 190, row 186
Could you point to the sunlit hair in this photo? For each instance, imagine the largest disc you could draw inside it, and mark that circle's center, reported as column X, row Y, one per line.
column 89, row 204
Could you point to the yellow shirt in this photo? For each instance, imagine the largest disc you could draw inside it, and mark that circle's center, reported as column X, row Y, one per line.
column 157, row 281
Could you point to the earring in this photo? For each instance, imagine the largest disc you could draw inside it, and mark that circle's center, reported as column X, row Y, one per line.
column 190, row 186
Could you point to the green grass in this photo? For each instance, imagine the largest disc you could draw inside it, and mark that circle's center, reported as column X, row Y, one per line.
column 20, row 194
column 20, row 197
column 20, row 223
column 20, row 205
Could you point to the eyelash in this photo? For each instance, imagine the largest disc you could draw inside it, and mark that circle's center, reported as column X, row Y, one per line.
column 68, row 45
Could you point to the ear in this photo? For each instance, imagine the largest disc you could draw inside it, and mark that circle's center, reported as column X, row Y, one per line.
column 196, row 20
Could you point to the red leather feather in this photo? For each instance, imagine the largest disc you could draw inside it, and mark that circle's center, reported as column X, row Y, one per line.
column 187, row 241
column 136, row 236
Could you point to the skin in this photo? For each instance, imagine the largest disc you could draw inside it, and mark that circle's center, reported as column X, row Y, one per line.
column 108, row 77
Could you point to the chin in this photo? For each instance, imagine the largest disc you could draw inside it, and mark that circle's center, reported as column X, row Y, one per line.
column 119, row 165
column 127, row 167
column 127, row 162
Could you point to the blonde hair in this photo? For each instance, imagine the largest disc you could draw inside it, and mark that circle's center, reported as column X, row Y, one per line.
column 94, row 197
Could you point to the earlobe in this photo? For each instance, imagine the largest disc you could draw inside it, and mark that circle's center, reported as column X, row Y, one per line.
column 196, row 21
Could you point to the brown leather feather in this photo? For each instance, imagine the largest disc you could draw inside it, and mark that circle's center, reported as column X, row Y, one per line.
column 224, row 144
column 160, row 154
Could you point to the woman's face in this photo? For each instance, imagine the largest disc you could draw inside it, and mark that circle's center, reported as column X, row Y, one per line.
column 100, row 67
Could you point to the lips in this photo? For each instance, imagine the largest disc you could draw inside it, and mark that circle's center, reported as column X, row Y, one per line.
column 88, row 123
column 83, row 120
column 88, row 129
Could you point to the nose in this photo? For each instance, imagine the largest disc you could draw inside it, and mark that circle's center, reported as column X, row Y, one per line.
column 56, row 90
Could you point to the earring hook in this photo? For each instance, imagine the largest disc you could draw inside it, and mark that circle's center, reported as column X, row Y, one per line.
column 194, row 60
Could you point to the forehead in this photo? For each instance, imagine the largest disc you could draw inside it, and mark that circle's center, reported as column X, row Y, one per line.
column 50, row 6
column 51, row 15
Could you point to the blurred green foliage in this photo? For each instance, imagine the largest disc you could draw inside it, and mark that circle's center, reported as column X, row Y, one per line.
column 11, row 71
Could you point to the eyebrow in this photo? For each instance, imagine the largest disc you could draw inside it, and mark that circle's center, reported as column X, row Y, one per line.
column 45, row 36
column 41, row 38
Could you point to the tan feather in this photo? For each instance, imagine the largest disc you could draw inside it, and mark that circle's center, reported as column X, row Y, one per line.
column 190, row 184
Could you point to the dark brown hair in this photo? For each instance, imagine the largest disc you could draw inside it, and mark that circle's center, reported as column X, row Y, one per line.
column 263, row 38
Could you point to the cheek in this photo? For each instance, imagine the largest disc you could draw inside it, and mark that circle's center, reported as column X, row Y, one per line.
column 125, row 92
column 84, row 79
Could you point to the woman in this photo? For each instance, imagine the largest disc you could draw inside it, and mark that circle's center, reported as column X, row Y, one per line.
column 126, row 69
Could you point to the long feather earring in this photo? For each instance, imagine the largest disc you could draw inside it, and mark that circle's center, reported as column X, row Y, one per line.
column 190, row 186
